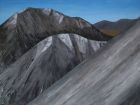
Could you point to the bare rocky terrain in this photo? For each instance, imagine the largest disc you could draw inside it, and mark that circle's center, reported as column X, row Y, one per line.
column 48, row 58
column 24, row 30
column 109, row 77
column 39, row 47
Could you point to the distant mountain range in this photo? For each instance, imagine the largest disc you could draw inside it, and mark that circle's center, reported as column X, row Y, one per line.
column 115, row 28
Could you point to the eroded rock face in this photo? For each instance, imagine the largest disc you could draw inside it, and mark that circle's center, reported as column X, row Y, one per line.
column 24, row 30
column 42, row 65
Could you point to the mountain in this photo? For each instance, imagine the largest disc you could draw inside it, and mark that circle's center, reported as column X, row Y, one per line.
column 40, row 46
column 42, row 65
column 25, row 29
column 109, row 77
column 115, row 28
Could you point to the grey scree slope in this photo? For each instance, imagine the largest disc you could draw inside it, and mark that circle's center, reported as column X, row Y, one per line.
column 110, row 77
column 42, row 65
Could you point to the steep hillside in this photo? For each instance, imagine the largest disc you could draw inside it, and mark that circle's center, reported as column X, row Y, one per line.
column 42, row 65
column 110, row 77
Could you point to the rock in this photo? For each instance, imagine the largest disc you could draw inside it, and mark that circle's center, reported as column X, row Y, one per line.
column 43, row 65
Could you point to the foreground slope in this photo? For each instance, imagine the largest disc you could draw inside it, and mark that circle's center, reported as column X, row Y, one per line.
column 25, row 29
column 42, row 65
column 110, row 77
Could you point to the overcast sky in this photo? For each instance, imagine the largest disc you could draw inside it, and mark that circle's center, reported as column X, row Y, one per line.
column 91, row 10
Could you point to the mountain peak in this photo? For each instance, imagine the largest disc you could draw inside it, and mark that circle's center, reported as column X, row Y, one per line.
column 47, row 11
column 12, row 21
column 25, row 29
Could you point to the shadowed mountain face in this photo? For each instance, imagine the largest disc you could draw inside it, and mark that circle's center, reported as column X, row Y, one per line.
column 42, row 65
column 115, row 28
column 110, row 77
column 24, row 30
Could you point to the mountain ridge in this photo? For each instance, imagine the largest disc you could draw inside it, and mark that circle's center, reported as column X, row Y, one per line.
column 26, row 29
column 117, row 27
column 43, row 65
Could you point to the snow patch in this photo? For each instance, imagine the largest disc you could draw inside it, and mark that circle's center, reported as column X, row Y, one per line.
column 47, row 11
column 14, row 19
column 66, row 39
column 43, row 46
column 48, row 43
column 59, row 17
column 11, row 23
column 81, row 42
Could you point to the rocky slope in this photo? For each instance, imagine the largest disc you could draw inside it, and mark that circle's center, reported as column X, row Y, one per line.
column 115, row 28
column 25, row 29
column 38, row 47
column 42, row 65
column 110, row 77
